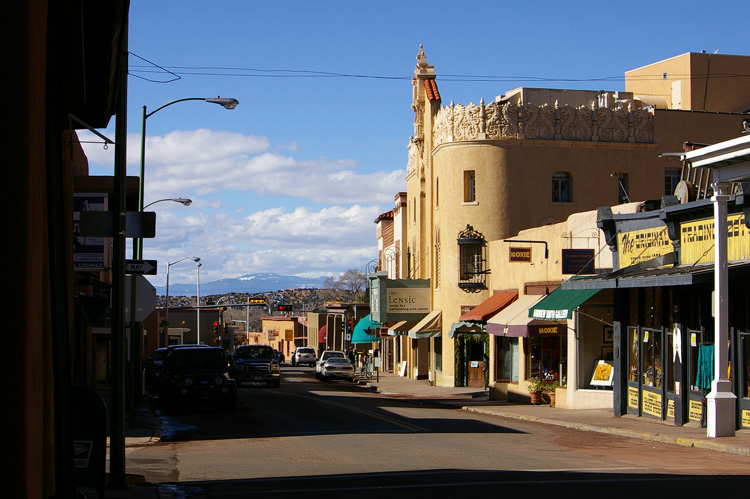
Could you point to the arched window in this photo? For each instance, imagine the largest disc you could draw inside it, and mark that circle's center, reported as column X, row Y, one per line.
column 472, row 260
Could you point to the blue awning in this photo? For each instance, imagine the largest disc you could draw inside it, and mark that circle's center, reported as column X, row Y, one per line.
column 364, row 330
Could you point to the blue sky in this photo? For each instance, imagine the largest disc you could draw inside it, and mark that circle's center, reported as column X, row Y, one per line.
column 292, row 180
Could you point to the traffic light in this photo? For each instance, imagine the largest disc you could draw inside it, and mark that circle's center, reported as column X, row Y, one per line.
column 217, row 336
column 285, row 308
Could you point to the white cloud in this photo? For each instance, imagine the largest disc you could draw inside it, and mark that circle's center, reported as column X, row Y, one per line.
column 318, row 217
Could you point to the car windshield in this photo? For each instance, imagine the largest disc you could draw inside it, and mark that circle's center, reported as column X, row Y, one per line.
column 255, row 353
column 197, row 359
column 331, row 355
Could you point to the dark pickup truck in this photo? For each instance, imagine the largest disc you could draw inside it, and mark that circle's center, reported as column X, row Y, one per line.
column 256, row 364
column 196, row 373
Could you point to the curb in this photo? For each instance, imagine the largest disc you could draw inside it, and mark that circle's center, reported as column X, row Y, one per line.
column 651, row 437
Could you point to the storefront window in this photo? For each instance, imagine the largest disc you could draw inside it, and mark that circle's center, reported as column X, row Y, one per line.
column 633, row 357
column 507, row 359
column 547, row 358
column 670, row 362
column 652, row 367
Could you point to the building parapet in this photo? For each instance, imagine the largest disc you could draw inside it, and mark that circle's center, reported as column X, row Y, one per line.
column 508, row 120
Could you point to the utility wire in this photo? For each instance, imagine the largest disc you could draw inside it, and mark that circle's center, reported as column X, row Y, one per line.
column 176, row 72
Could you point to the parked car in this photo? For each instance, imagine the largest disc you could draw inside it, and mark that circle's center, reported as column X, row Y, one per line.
column 256, row 363
column 337, row 367
column 196, row 373
column 324, row 357
column 304, row 355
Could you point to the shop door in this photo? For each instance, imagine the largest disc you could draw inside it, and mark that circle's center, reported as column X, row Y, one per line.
column 646, row 377
column 475, row 364
column 696, row 402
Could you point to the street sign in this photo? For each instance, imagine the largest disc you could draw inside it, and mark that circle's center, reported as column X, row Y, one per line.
column 140, row 267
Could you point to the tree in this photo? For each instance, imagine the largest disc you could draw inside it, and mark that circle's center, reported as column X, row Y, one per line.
column 349, row 286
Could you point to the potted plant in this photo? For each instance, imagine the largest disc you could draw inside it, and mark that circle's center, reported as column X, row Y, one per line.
column 535, row 390
column 549, row 388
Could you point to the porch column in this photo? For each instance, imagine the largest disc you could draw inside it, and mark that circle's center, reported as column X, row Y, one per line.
column 721, row 401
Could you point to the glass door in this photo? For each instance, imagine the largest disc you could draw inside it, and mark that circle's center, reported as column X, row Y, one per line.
column 697, row 338
column 653, row 358
column 634, row 370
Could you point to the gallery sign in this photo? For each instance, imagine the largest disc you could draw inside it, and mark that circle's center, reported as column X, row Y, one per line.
column 578, row 261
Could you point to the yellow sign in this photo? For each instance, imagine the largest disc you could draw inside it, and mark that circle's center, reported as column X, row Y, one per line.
column 695, row 410
column 697, row 240
column 651, row 403
column 642, row 245
column 746, row 418
column 633, row 397
column 670, row 409
column 289, row 334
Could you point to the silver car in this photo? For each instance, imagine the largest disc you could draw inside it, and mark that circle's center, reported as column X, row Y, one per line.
column 324, row 357
column 337, row 367
column 303, row 355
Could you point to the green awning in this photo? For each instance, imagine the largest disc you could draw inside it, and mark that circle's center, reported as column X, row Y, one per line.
column 559, row 304
column 364, row 330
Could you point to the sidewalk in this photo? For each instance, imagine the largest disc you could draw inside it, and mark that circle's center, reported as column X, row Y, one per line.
column 596, row 420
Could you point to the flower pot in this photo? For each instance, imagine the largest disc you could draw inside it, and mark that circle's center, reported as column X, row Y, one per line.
column 536, row 396
column 551, row 396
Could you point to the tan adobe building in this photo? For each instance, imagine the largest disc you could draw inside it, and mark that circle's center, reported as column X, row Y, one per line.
column 281, row 333
column 533, row 157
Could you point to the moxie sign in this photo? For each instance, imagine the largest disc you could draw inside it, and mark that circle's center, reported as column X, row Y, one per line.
column 519, row 255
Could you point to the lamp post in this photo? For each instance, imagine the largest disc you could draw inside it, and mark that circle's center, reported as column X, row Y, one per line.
column 182, row 201
column 198, row 302
column 226, row 103
column 166, row 306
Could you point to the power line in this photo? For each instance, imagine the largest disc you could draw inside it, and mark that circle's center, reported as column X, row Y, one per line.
column 177, row 72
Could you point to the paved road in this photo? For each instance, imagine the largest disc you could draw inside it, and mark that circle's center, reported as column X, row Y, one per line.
column 310, row 437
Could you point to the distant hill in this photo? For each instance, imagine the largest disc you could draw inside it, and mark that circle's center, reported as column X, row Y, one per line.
column 250, row 283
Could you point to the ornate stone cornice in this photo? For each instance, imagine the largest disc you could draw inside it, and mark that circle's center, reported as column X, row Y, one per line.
column 506, row 120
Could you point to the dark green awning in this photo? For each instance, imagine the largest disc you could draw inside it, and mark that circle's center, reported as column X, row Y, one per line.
column 559, row 304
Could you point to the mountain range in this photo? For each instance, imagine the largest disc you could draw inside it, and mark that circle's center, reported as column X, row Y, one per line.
column 249, row 283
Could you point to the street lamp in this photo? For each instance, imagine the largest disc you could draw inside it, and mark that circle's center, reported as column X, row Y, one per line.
column 166, row 306
column 226, row 103
column 182, row 201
